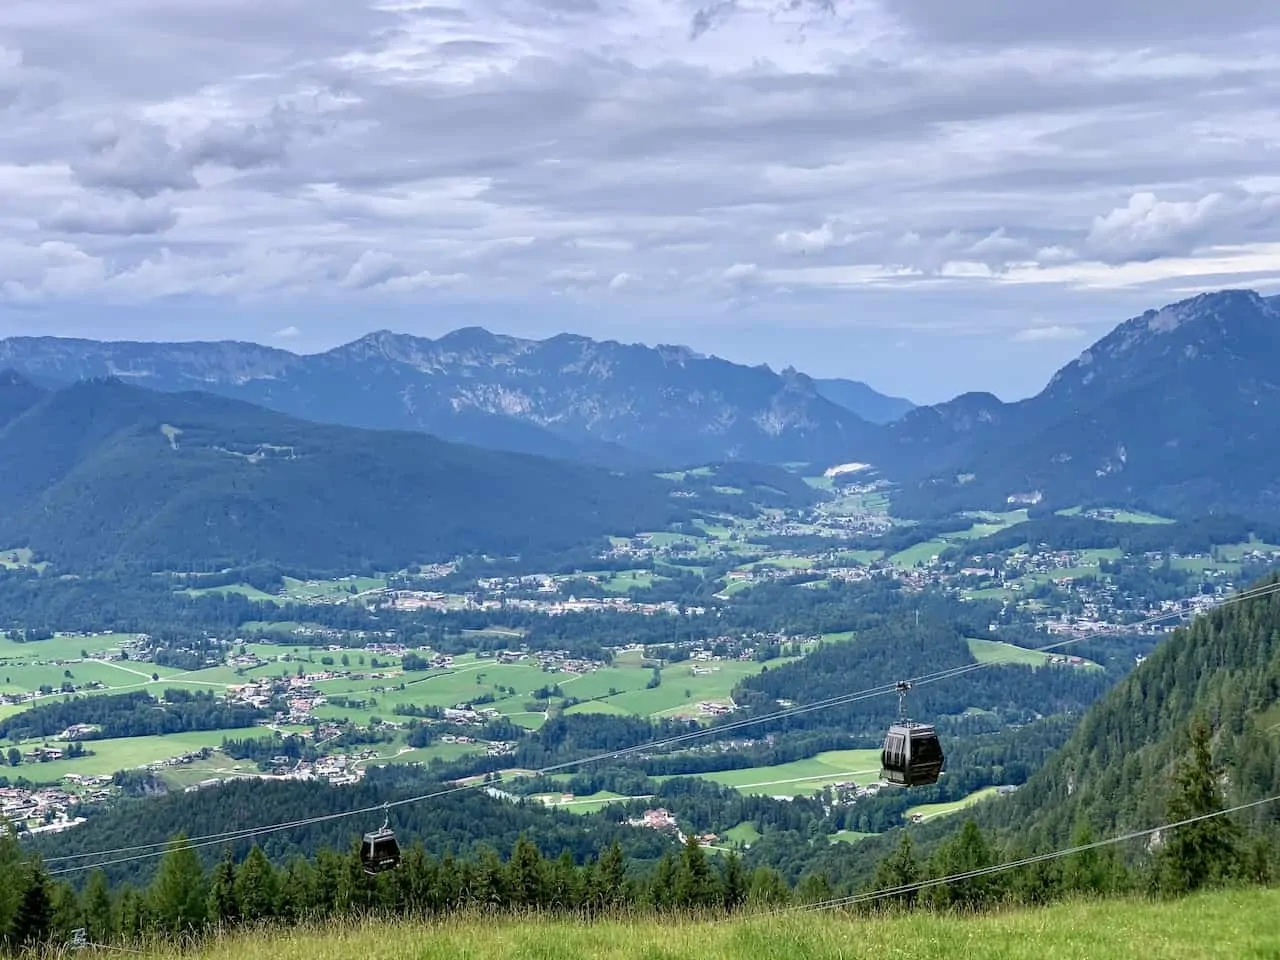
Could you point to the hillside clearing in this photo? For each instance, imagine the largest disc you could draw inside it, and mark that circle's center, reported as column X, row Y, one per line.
column 802, row 777
column 1231, row 925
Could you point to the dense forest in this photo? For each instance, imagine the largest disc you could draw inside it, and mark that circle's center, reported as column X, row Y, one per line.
column 131, row 715
column 199, row 482
column 1112, row 773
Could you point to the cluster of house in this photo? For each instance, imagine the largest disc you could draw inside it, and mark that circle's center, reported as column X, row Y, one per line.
column 336, row 769
column 848, row 792
column 715, row 708
column 48, row 809
column 428, row 600
column 550, row 661
column 662, row 819
column 182, row 759
column 299, row 694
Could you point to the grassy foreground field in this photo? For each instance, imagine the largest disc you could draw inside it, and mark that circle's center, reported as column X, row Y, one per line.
column 1239, row 925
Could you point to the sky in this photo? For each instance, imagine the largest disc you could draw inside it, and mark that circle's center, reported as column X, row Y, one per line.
column 933, row 196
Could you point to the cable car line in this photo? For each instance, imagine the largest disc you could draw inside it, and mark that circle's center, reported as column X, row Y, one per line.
column 158, row 848
column 857, row 898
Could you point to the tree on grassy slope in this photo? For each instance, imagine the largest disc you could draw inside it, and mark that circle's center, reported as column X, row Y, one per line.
column 1204, row 852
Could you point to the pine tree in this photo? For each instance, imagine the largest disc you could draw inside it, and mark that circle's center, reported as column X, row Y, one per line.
column 256, row 888
column 33, row 920
column 611, row 876
column 178, row 895
column 1205, row 852
column 733, row 882
column 662, row 882
column 10, row 877
column 525, row 874
column 99, row 919
column 966, row 851
column 67, row 912
column 490, row 879
column 899, row 869
column 696, row 884
column 564, row 885
column 224, row 908
column 299, row 898
column 608, row 881
column 768, row 888
column 134, row 916
column 814, row 888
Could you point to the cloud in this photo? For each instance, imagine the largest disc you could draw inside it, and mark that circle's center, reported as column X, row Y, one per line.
column 123, row 216
column 137, row 157
column 1147, row 227
column 290, row 332
column 1057, row 22
column 422, row 280
column 829, row 160
column 740, row 273
column 1052, row 333
column 812, row 241
column 373, row 267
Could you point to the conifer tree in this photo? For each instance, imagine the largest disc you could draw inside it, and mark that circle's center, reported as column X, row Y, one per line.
column 814, row 888
column 33, row 920
column 256, row 889
column 733, row 882
column 11, row 886
column 696, row 884
column 134, row 916
column 966, row 851
column 223, row 907
column 99, row 917
column 899, row 869
column 1204, row 852
column 525, row 874
column 179, row 896
column 662, row 882
column 768, row 888
column 67, row 912
column 298, row 899
column 611, row 876
column 490, row 879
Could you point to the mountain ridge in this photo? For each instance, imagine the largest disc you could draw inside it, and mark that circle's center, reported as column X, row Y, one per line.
column 1168, row 410
column 602, row 401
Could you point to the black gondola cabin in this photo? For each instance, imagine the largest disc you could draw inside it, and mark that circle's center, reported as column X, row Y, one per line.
column 912, row 755
column 379, row 851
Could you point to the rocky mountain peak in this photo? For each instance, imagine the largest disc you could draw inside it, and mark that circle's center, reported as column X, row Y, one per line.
column 1225, row 326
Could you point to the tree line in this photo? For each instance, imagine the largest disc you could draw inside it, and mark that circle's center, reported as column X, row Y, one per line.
column 131, row 715
column 186, row 899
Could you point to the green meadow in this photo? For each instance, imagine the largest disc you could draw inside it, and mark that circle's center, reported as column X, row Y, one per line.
column 803, row 777
column 1228, row 925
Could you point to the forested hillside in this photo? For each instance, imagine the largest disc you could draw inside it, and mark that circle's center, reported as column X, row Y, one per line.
column 895, row 649
column 1115, row 771
column 460, row 824
column 103, row 474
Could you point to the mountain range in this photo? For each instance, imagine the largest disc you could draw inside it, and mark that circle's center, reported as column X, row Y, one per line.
column 1170, row 411
column 568, row 396
column 103, row 473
